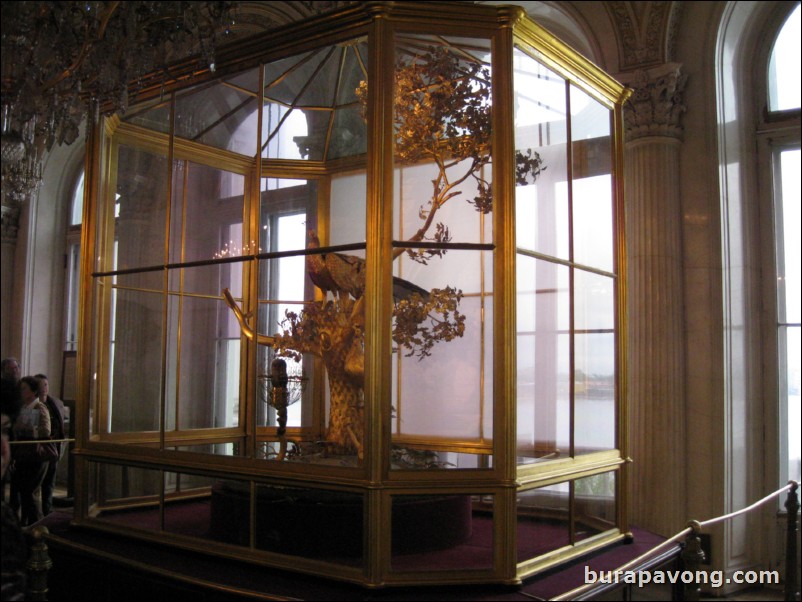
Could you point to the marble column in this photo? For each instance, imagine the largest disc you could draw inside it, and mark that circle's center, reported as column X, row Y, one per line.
column 10, row 227
column 655, row 306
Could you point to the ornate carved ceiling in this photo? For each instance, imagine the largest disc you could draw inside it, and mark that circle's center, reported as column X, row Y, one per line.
column 645, row 32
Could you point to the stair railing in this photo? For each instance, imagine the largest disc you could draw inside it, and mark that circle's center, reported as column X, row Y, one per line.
column 693, row 555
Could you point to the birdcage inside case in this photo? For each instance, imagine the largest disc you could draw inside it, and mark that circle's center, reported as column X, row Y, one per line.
column 353, row 302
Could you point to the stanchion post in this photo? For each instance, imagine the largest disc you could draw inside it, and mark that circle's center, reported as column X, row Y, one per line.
column 791, row 551
column 692, row 558
column 38, row 564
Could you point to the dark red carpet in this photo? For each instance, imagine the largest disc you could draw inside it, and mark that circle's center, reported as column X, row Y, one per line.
column 74, row 551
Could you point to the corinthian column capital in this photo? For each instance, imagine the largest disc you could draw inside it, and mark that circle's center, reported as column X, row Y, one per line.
column 656, row 104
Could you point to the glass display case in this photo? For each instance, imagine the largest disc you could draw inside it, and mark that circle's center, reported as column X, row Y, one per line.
column 353, row 304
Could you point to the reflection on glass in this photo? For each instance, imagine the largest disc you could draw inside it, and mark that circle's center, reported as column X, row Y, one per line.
column 441, row 532
column 142, row 209
column 594, row 301
column 119, row 483
column 790, row 268
column 204, row 398
column 594, row 393
column 293, row 405
column 541, row 125
column 215, row 449
column 283, row 285
column 789, row 293
column 135, row 349
column 208, row 114
column 543, row 520
column 543, row 372
column 793, row 355
column 204, row 219
column 348, row 209
column 592, row 186
column 207, row 280
column 311, row 109
column 594, row 505
column 153, row 115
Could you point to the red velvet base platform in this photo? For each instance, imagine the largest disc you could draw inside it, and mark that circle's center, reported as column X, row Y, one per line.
column 329, row 523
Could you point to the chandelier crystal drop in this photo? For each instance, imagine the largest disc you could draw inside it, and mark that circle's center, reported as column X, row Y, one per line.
column 60, row 57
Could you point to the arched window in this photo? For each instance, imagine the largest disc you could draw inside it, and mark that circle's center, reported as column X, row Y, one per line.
column 783, row 143
column 783, row 76
column 759, row 142
column 72, row 265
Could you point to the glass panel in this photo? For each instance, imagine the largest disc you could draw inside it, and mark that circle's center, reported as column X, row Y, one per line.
column 790, row 252
column 72, row 277
column 443, row 194
column 442, row 124
column 311, row 107
column 102, row 351
column 187, row 504
column 348, row 133
column 121, row 485
column 204, row 363
column 788, row 303
column 439, row 399
column 192, row 504
column 206, row 222
column 284, row 399
column 328, row 425
column 218, row 115
column 793, row 356
column 594, row 302
column 135, row 352
column 543, row 353
column 594, row 505
column 785, row 90
column 591, row 159
column 595, row 363
column 142, row 196
column 311, row 523
column 214, row 449
column 543, row 520
column 208, row 280
column 441, row 532
column 594, row 393
column 348, row 209
column 417, row 192
column 77, row 206
column 541, row 138
column 153, row 115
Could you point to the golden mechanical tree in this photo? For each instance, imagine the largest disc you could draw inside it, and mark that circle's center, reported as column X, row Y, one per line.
column 443, row 117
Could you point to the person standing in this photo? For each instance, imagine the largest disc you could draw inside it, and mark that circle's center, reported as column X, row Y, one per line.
column 32, row 424
column 14, row 553
column 55, row 408
column 10, row 377
column 10, row 373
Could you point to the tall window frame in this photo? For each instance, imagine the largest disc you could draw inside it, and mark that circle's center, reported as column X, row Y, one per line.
column 72, row 263
column 778, row 134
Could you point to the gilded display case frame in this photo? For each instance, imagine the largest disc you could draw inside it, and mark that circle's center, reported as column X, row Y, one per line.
column 506, row 28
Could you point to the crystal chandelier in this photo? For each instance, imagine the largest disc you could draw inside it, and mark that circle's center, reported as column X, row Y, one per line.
column 60, row 57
